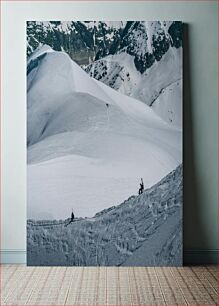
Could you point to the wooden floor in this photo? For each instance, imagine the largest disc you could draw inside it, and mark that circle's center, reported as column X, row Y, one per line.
column 23, row 285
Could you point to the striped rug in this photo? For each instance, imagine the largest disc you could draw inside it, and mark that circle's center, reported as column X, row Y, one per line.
column 103, row 286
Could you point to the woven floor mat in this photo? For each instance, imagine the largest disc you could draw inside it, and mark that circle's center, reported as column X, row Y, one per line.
column 126, row 286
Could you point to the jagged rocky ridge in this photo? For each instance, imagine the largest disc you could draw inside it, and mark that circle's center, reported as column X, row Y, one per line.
column 92, row 40
column 146, row 41
column 146, row 63
column 144, row 230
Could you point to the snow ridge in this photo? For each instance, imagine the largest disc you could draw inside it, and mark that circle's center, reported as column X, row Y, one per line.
column 144, row 230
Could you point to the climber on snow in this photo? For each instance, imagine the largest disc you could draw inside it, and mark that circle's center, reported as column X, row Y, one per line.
column 71, row 219
column 72, row 216
column 141, row 189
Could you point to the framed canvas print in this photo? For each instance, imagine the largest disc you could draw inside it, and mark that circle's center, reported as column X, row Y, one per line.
column 104, row 143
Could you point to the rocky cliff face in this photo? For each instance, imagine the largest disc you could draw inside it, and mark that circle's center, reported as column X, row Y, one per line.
column 83, row 41
column 147, row 41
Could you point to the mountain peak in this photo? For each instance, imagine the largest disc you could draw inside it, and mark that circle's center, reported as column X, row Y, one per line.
column 41, row 49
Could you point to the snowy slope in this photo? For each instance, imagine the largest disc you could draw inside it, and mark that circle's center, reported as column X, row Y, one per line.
column 143, row 230
column 119, row 72
column 165, row 105
column 80, row 149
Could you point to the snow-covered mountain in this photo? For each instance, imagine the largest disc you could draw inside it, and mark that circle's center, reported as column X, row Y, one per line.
column 141, row 59
column 145, row 230
column 89, row 145
column 145, row 61
column 82, row 41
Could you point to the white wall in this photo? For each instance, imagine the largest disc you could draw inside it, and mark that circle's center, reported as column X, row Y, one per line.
column 201, row 18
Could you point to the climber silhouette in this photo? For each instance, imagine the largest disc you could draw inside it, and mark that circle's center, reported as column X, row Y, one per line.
column 72, row 216
column 140, row 191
